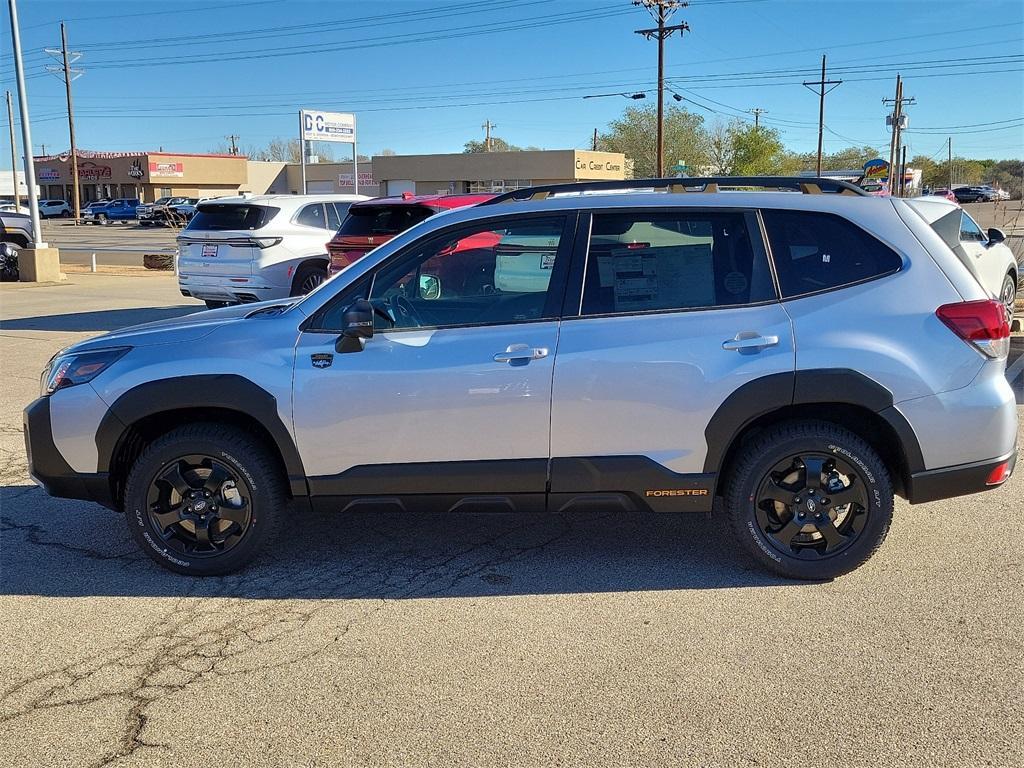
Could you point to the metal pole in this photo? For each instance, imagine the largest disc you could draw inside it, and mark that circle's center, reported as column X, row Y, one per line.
column 903, row 173
column 661, row 91
column 71, row 122
column 355, row 169
column 26, row 131
column 821, row 116
column 14, row 153
column 949, row 164
column 302, row 150
column 92, row 263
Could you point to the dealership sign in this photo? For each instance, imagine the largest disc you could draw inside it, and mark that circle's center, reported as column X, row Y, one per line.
column 88, row 170
column 345, row 179
column 166, row 169
column 48, row 174
column 876, row 169
column 328, row 126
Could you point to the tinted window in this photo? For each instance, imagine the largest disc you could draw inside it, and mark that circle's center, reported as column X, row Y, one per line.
column 818, row 251
column 969, row 231
column 312, row 216
column 220, row 216
column 367, row 220
column 490, row 275
column 650, row 262
column 336, row 213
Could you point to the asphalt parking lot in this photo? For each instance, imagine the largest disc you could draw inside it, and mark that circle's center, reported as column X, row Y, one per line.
column 488, row 640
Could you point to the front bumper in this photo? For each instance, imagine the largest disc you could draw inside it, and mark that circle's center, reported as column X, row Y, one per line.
column 945, row 483
column 48, row 468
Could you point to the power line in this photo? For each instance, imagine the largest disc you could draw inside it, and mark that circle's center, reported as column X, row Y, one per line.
column 175, row 11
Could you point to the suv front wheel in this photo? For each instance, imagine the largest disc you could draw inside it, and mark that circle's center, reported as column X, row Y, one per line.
column 809, row 500
column 204, row 499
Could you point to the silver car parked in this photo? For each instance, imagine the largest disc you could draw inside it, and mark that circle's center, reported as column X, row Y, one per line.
column 802, row 355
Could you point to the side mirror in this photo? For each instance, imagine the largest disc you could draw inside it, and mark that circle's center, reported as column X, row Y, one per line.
column 995, row 235
column 357, row 324
column 430, row 287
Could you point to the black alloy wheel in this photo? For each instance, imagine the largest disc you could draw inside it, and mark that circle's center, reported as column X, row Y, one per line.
column 199, row 506
column 811, row 506
column 205, row 498
column 809, row 499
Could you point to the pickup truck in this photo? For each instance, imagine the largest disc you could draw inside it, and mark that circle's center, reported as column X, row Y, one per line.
column 122, row 209
column 153, row 213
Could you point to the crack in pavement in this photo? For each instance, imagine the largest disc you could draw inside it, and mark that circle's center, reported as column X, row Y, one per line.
column 208, row 634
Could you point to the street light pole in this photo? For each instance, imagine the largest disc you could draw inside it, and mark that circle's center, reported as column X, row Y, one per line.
column 26, row 131
column 14, row 153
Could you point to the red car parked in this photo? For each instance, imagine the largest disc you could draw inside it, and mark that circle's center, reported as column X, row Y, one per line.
column 372, row 222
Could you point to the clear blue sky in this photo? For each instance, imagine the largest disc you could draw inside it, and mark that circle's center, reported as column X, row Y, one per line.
column 423, row 75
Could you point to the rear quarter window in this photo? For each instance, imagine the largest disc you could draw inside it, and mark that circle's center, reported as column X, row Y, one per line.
column 369, row 220
column 221, row 216
column 820, row 251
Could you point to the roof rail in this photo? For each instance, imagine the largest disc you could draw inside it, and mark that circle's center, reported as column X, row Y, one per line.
column 808, row 185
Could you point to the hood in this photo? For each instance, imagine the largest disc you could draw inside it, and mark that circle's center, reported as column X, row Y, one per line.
column 183, row 327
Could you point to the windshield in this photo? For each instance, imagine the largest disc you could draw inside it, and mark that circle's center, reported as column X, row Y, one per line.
column 368, row 220
column 221, row 216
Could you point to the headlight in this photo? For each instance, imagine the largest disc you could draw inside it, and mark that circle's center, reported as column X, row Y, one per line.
column 69, row 369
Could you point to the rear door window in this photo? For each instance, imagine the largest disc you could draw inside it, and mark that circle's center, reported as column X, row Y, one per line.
column 336, row 213
column 649, row 262
column 820, row 251
column 371, row 220
column 312, row 216
column 221, row 216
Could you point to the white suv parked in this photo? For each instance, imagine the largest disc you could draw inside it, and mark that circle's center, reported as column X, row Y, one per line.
column 237, row 250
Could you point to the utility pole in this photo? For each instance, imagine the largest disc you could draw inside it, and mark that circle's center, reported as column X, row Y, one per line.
column 821, row 90
column 234, row 147
column 594, row 146
column 26, row 128
column 14, row 153
column 949, row 164
column 662, row 11
column 903, row 173
column 487, row 126
column 69, row 74
column 899, row 121
column 757, row 112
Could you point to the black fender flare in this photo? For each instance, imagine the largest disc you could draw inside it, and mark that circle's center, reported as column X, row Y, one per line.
column 763, row 395
column 221, row 391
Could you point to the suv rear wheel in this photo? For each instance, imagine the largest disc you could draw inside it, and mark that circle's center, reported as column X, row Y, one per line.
column 809, row 500
column 308, row 278
column 204, row 499
column 1009, row 294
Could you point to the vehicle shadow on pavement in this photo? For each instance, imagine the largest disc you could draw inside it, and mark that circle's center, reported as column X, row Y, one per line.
column 107, row 320
column 61, row 548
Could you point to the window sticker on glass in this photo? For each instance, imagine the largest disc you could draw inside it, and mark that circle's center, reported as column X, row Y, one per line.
column 657, row 278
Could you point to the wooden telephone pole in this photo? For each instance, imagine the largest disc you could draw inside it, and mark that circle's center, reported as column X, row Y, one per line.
column 821, row 88
column 662, row 11
column 68, row 58
column 487, row 126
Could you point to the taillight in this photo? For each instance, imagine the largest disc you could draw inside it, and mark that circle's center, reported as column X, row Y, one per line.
column 983, row 324
column 999, row 474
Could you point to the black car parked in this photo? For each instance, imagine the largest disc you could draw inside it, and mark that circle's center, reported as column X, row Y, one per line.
column 972, row 195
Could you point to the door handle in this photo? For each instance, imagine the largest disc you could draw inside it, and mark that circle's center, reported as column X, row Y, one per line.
column 743, row 341
column 516, row 352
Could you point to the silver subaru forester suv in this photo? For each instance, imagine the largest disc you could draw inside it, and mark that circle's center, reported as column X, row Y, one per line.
column 801, row 354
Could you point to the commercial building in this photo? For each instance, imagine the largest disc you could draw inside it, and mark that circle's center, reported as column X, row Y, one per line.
column 149, row 175
column 145, row 175
column 492, row 171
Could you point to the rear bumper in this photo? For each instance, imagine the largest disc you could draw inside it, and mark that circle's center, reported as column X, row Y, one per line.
column 48, row 468
column 960, row 480
column 224, row 288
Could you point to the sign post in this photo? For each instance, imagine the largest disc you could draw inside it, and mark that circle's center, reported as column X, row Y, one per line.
column 328, row 126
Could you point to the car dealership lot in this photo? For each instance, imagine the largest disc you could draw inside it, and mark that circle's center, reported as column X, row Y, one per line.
column 478, row 640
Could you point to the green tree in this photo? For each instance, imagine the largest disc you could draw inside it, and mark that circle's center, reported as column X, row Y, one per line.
column 635, row 135
column 758, row 151
column 497, row 145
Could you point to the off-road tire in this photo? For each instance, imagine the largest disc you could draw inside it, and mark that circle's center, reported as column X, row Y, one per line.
column 753, row 465
column 242, row 453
